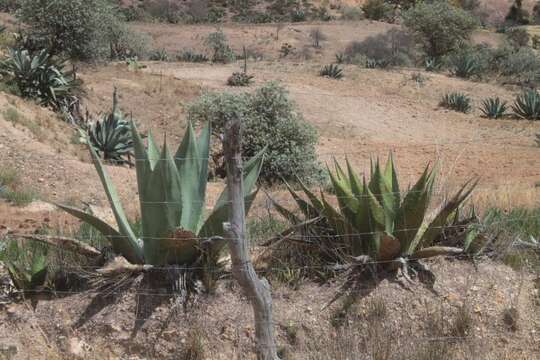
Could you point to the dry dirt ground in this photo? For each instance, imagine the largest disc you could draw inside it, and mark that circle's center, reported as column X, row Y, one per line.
column 464, row 314
column 368, row 113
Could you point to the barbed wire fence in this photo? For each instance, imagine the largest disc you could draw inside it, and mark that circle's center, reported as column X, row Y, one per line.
column 240, row 318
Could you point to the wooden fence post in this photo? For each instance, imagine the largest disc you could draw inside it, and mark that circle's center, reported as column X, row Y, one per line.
column 257, row 290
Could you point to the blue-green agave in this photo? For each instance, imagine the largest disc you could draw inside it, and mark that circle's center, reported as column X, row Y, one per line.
column 172, row 192
column 377, row 218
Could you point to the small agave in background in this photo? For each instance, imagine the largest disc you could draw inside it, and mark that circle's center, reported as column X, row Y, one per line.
column 110, row 135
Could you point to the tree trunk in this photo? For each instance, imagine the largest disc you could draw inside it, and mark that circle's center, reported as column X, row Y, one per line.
column 257, row 290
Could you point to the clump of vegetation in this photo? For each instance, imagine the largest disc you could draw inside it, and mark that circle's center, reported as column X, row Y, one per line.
column 241, row 78
column 517, row 15
column 11, row 190
column 351, row 12
column 494, row 108
column 332, row 71
column 82, row 29
column 191, row 56
column 272, row 121
column 110, row 135
column 41, row 77
column 517, row 37
column 221, row 51
column 521, row 66
column 456, row 101
column 159, row 55
column 376, row 222
column 285, row 50
column 464, row 65
column 378, row 10
column 432, row 64
column 392, row 48
column 439, row 26
column 27, row 266
column 527, row 105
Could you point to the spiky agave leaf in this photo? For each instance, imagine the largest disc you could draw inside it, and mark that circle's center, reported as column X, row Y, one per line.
column 493, row 108
column 332, row 71
column 527, row 105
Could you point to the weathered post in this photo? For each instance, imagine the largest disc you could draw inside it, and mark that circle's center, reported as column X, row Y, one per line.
column 257, row 290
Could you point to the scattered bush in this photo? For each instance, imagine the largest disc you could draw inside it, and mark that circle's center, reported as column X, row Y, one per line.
column 464, row 65
column 332, row 71
column 239, row 79
column 527, row 105
column 270, row 119
column 110, row 136
column 456, row 101
column 394, row 47
column 159, row 55
column 41, row 77
column 439, row 26
column 521, row 66
column 221, row 51
column 494, row 108
column 191, row 56
column 378, row 10
column 351, row 12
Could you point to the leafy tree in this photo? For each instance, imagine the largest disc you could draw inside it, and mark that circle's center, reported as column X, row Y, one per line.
column 439, row 26
column 83, row 29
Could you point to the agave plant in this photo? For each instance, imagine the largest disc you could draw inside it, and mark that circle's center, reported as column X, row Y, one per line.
column 110, row 136
column 340, row 58
column 493, row 108
column 172, row 192
column 332, row 71
column 432, row 64
column 527, row 105
column 464, row 66
column 456, row 101
column 27, row 269
column 376, row 218
column 39, row 76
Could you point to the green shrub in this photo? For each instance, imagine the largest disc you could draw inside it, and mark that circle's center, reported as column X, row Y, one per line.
column 221, row 51
column 439, row 27
column 527, row 105
column 394, row 47
column 493, row 108
column 378, row 10
column 332, row 71
column 80, row 28
column 521, row 66
column 456, row 101
column 270, row 119
column 41, row 77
